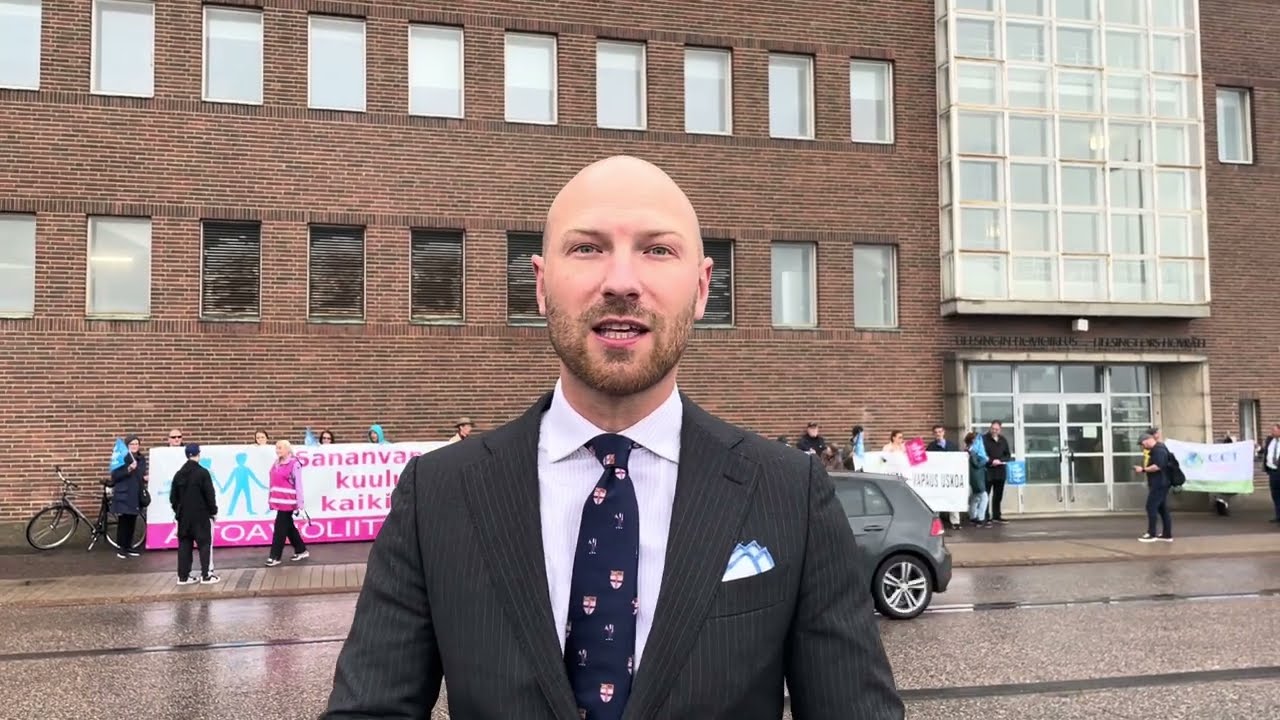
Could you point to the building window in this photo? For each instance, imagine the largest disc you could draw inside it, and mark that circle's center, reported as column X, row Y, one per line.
column 17, row 265
column 435, row 280
column 1250, row 425
column 119, row 267
column 123, row 48
column 230, row 270
column 336, row 63
column 1235, row 125
column 791, row 96
column 875, row 286
column 871, row 101
column 620, row 85
column 708, row 91
column 531, row 78
column 1071, row 166
column 795, row 291
column 335, row 281
column 233, row 55
column 719, row 312
column 522, row 288
column 20, row 44
column 435, row 71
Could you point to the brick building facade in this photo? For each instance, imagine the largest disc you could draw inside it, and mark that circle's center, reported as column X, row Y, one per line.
column 99, row 346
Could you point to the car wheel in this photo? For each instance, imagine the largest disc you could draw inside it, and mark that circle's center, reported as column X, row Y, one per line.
column 902, row 588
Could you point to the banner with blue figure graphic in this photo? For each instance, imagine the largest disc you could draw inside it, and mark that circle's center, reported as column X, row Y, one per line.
column 347, row 490
column 119, row 456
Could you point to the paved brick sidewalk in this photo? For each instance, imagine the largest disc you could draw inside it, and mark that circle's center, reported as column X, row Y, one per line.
column 279, row 581
column 318, row 579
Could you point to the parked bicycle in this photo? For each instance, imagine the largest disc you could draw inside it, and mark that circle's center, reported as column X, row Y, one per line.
column 54, row 525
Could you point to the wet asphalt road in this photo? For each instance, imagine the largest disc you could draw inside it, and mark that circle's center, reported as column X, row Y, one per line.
column 1209, row 654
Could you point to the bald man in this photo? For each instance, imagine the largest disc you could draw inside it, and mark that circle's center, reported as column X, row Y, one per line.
column 616, row 552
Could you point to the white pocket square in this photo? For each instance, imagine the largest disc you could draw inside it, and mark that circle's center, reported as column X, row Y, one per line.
column 748, row 560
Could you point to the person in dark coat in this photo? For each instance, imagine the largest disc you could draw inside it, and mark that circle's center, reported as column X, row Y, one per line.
column 194, row 506
column 126, row 496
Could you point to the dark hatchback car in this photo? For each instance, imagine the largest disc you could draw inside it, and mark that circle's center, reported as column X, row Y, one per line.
column 900, row 542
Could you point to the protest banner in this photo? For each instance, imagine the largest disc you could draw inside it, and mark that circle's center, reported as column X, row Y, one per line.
column 346, row 489
column 1215, row 467
column 942, row 480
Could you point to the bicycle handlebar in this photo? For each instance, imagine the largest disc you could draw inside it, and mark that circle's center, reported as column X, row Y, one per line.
column 65, row 480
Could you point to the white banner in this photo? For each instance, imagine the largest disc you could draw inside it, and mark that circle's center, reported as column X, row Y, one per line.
column 346, row 489
column 1215, row 467
column 942, row 481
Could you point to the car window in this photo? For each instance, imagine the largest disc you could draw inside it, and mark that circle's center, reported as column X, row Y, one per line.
column 850, row 495
column 874, row 501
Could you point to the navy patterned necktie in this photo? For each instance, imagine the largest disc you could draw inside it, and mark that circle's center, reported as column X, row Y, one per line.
column 600, row 639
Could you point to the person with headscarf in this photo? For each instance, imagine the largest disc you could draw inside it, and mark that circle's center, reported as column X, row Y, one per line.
column 126, row 496
column 376, row 435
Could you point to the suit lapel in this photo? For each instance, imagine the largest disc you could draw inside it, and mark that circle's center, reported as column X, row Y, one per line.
column 502, row 495
column 712, row 497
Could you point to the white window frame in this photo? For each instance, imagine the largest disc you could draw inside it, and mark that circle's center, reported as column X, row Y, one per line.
column 892, row 266
column 204, row 75
column 460, row 33
column 726, row 57
column 555, row 77
column 39, row 6
column 364, row 60
column 90, row 227
column 810, row 130
column 813, row 284
column 1172, row 267
column 30, row 219
column 1246, row 123
column 95, row 39
column 643, row 81
column 890, row 109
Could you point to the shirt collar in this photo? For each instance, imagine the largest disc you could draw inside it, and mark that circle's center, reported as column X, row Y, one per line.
column 564, row 431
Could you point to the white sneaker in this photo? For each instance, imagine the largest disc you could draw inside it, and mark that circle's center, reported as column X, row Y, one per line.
column 1147, row 538
column 301, row 556
column 272, row 562
column 190, row 580
column 210, row 579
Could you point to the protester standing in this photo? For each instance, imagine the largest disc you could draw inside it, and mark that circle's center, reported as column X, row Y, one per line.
column 194, row 507
column 126, row 496
column 978, row 497
column 284, row 495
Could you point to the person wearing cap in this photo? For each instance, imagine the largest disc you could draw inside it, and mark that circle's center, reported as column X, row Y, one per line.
column 812, row 440
column 194, row 507
column 463, row 427
column 1155, row 459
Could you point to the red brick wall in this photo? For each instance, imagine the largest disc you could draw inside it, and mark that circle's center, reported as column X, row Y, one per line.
column 70, row 385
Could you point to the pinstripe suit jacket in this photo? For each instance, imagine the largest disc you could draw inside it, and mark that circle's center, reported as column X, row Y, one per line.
column 456, row 589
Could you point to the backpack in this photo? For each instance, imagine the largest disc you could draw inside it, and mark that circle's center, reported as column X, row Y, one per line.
column 1174, row 472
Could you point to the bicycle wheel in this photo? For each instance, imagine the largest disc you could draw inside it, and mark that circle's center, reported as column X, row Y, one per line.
column 139, row 531
column 51, row 527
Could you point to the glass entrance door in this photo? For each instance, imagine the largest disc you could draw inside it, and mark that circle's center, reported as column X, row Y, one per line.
column 1063, row 439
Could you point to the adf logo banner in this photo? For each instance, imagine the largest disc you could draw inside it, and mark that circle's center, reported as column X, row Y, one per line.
column 1217, row 467
column 346, row 490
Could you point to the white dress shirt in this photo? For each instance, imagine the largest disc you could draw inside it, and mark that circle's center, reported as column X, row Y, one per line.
column 1273, row 453
column 567, row 472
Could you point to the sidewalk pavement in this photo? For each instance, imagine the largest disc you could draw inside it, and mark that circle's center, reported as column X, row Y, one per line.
column 315, row 577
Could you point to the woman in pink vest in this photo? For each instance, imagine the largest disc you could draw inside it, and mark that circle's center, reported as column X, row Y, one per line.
column 285, row 497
